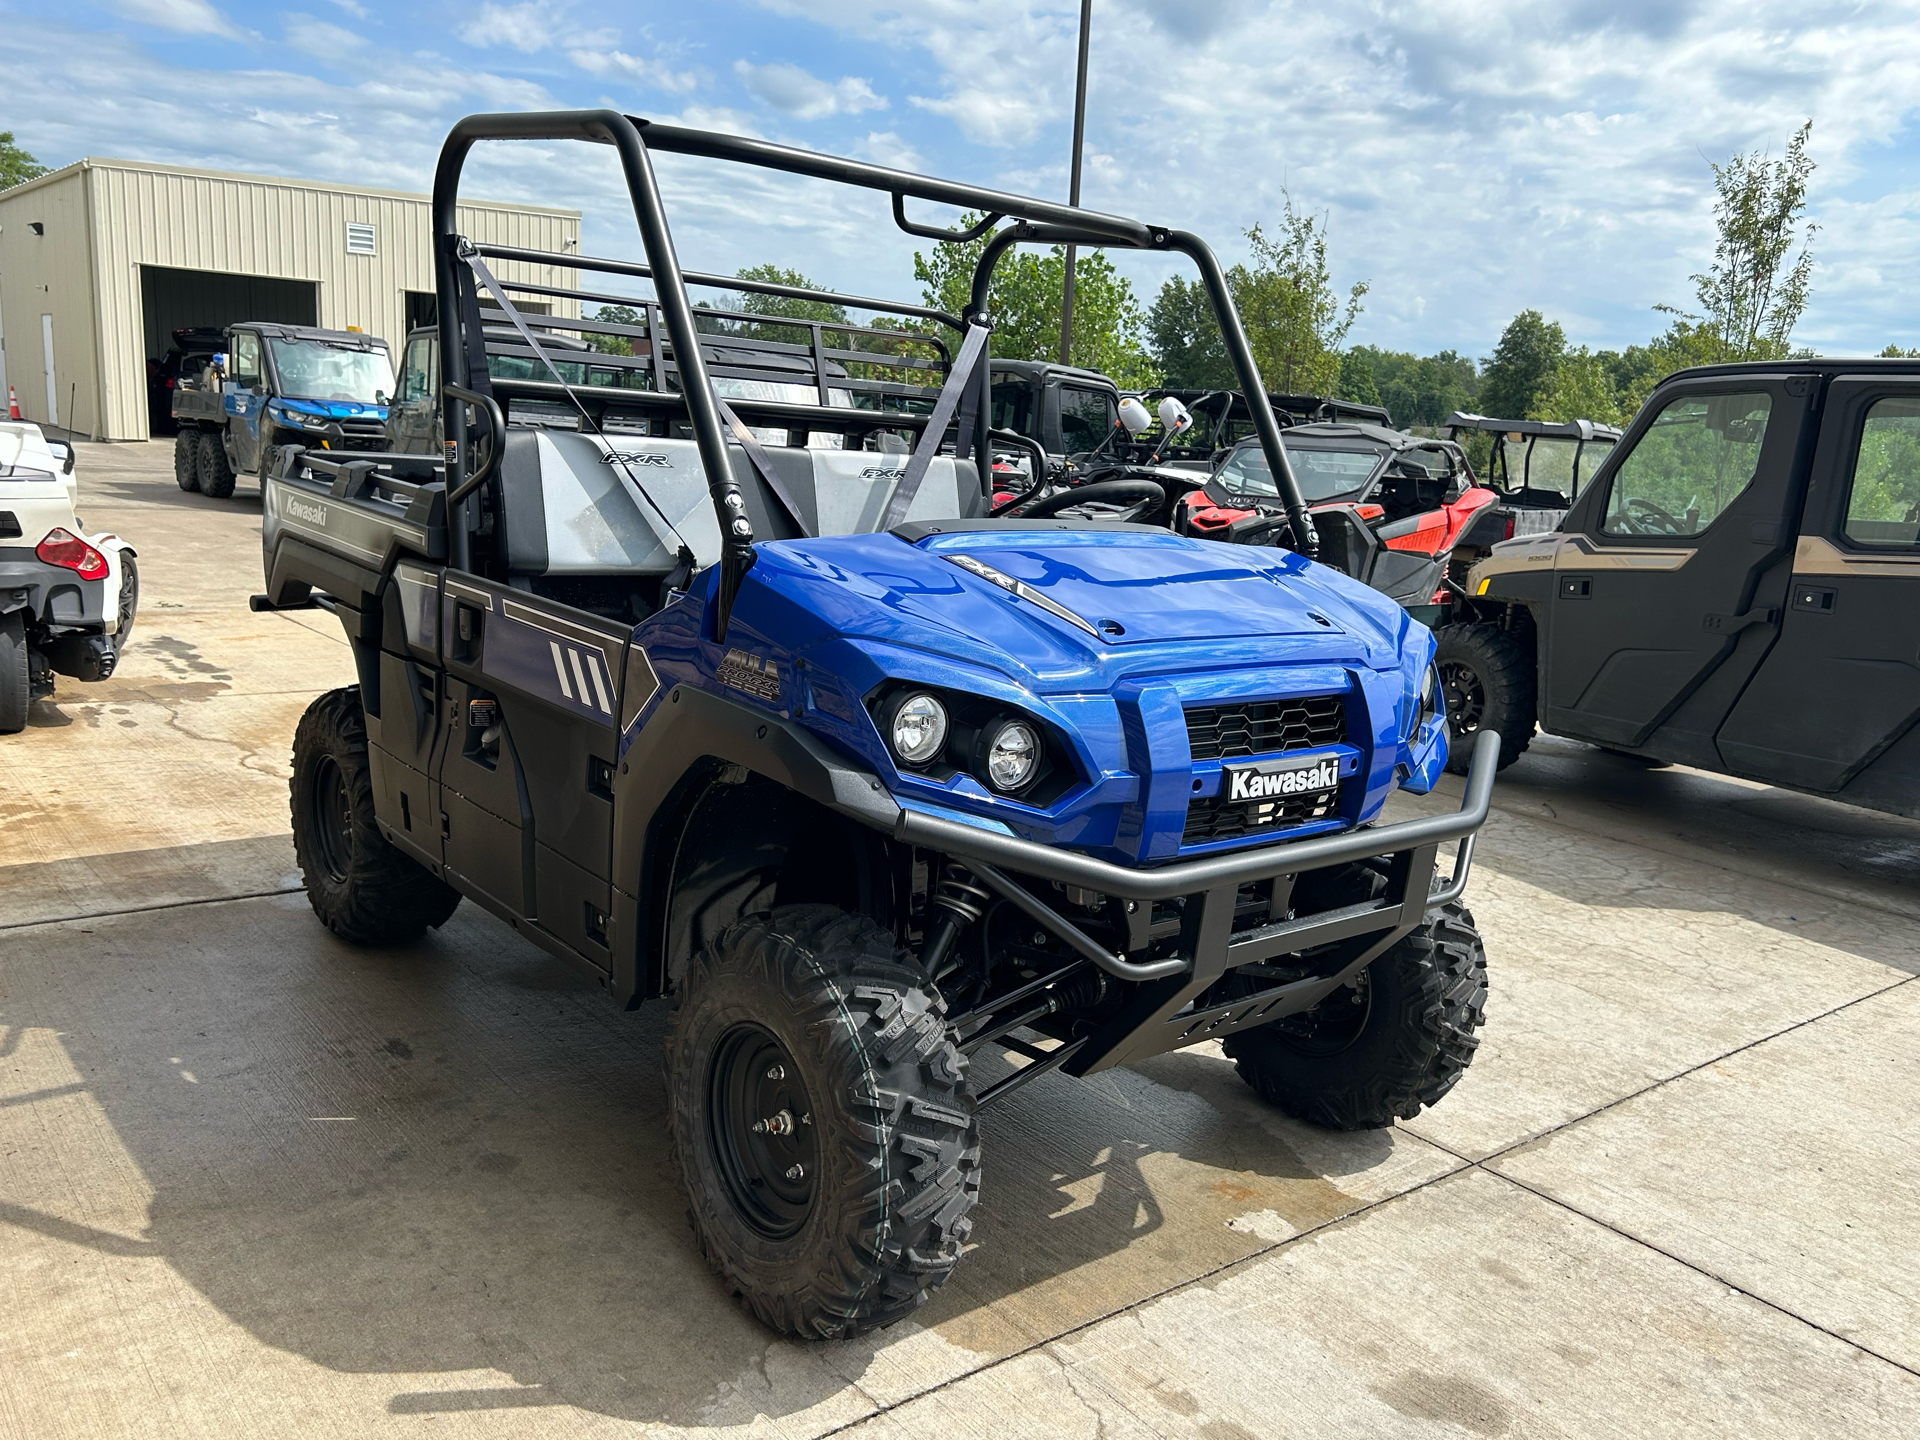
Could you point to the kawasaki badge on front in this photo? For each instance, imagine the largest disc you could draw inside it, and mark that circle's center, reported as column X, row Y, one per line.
column 1315, row 775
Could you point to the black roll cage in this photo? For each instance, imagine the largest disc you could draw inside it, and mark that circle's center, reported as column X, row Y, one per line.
column 1040, row 222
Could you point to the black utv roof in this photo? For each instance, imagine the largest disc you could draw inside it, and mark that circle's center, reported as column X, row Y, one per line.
column 1377, row 434
column 1300, row 409
column 1565, row 430
column 1031, row 368
column 348, row 339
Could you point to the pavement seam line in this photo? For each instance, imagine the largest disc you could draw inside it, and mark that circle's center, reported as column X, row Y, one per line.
column 1697, row 1269
column 1465, row 1165
column 181, row 905
column 1262, row 1253
column 1653, row 1085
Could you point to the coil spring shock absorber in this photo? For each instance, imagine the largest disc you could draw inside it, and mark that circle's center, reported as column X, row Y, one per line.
column 957, row 901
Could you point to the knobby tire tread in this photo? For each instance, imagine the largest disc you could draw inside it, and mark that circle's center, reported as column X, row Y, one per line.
column 899, row 1144
column 1430, row 996
column 1509, row 680
column 388, row 897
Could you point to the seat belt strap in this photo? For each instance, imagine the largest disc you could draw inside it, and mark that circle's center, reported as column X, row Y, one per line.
column 908, row 484
column 762, row 462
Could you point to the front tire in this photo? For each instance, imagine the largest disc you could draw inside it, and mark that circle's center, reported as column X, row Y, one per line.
column 362, row 888
column 821, row 1119
column 186, row 460
column 1488, row 679
column 216, row 471
column 16, row 686
column 1380, row 1050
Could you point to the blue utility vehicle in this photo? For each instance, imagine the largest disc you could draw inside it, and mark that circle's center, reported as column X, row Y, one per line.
column 736, row 697
column 276, row 386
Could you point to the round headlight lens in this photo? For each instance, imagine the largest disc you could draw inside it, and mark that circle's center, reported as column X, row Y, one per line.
column 919, row 728
column 1012, row 755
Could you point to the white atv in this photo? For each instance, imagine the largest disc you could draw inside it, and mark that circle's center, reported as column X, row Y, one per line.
column 67, row 599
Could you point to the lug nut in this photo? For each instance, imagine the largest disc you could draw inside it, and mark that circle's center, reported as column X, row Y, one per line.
column 776, row 1072
column 797, row 1172
column 781, row 1124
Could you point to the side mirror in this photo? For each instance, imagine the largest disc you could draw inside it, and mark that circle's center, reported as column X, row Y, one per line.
column 1134, row 415
column 1175, row 416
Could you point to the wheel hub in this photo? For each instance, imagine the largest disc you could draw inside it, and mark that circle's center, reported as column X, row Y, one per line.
column 333, row 817
column 760, row 1125
column 1466, row 697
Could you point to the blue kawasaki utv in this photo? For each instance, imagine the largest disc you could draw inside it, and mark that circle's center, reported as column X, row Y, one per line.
column 715, row 680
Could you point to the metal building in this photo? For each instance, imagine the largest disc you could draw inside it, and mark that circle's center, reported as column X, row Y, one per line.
column 102, row 260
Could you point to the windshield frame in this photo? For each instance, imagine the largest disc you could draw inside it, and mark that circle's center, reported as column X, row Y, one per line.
column 280, row 388
column 1383, row 455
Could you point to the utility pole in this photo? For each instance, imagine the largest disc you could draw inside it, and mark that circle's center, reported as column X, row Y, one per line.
column 1073, row 191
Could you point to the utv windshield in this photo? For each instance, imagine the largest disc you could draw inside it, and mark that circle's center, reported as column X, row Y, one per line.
column 319, row 370
column 1325, row 471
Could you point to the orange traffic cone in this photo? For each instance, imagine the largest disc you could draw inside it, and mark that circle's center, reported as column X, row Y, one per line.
column 13, row 404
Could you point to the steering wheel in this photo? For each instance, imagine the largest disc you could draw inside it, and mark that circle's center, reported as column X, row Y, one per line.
column 1664, row 517
column 1147, row 496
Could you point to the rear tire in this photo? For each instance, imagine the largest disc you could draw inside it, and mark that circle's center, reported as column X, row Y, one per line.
column 16, row 692
column 216, row 472
column 853, row 1207
column 129, row 602
column 362, row 888
column 1488, row 678
column 186, row 460
column 1378, row 1051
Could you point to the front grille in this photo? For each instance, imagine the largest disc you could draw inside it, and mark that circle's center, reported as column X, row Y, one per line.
column 1216, row 818
column 1266, row 727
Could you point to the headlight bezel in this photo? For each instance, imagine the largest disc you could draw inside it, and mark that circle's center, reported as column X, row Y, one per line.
column 973, row 723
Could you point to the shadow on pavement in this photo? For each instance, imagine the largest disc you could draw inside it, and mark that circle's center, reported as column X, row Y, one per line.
column 451, row 1158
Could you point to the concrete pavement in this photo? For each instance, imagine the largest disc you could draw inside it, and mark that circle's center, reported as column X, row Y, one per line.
column 254, row 1181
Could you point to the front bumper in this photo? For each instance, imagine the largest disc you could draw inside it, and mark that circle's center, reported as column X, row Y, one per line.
column 1169, row 1009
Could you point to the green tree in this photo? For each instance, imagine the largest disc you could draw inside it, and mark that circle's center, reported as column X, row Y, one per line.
column 16, row 165
column 1295, row 321
column 1025, row 299
column 1522, row 365
column 1894, row 352
column 1184, row 338
column 1357, row 380
column 1750, row 298
column 784, row 306
column 1420, row 389
column 613, row 315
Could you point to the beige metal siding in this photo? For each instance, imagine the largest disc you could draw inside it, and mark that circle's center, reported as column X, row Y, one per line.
column 235, row 224
column 48, row 275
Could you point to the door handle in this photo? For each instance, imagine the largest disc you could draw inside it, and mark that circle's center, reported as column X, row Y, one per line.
column 1734, row 624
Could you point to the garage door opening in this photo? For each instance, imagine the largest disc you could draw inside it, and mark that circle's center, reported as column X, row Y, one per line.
column 207, row 300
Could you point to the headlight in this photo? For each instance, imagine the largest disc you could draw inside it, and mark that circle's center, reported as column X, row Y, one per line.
column 918, row 728
column 1012, row 755
column 1429, row 697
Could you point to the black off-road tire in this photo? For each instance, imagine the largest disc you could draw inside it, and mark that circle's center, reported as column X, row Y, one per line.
column 129, row 603
column 1490, row 683
column 16, row 685
column 888, row 1142
column 216, row 471
column 361, row 887
column 1403, row 1045
column 186, row 459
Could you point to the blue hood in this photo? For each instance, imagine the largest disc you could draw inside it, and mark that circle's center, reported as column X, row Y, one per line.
column 1140, row 590
column 334, row 409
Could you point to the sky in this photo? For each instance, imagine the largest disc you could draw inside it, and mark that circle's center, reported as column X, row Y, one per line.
column 1470, row 160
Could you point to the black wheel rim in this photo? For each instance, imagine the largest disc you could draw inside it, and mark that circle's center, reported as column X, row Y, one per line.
column 1332, row 1025
column 1466, row 697
column 760, row 1123
column 332, row 817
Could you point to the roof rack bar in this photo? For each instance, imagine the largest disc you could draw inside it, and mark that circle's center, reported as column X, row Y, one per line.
column 722, row 282
column 1105, row 229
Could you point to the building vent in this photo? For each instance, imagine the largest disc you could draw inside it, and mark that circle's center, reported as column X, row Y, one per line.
column 359, row 239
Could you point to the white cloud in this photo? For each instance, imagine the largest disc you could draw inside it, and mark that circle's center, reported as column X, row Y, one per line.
column 322, row 41
column 188, row 17
column 884, row 147
column 792, row 91
column 354, row 8
column 529, row 26
column 650, row 73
